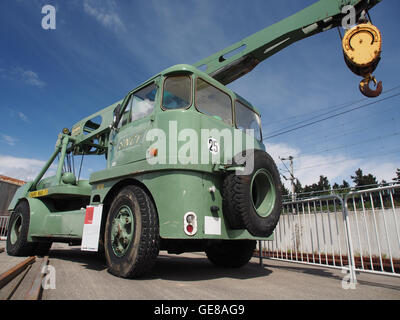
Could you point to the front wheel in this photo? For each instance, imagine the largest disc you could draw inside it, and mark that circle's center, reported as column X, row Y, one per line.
column 132, row 233
column 17, row 234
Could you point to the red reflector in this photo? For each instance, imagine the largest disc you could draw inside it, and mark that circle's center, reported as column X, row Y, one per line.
column 89, row 215
column 189, row 228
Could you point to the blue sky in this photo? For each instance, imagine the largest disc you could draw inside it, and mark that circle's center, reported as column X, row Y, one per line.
column 50, row 79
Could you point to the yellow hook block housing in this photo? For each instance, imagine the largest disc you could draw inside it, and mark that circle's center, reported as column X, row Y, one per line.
column 362, row 48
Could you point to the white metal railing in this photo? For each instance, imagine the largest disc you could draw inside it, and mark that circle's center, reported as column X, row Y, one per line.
column 373, row 222
column 358, row 231
column 3, row 227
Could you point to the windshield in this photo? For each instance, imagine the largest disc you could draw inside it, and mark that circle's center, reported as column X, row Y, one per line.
column 247, row 119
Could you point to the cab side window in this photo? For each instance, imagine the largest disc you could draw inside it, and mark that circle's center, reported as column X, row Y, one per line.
column 140, row 105
column 125, row 115
column 143, row 102
column 213, row 101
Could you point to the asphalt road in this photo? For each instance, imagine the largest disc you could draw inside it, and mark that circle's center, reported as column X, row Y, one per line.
column 82, row 275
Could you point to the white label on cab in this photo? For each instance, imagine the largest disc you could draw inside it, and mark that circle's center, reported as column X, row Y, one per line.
column 212, row 225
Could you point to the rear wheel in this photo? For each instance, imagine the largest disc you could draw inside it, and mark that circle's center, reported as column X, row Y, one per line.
column 230, row 253
column 17, row 235
column 132, row 233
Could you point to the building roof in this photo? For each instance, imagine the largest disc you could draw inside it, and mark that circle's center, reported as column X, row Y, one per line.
column 12, row 180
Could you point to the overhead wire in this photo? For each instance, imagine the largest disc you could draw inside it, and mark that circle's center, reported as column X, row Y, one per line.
column 336, row 108
column 370, row 155
column 303, row 154
column 332, row 116
column 327, row 135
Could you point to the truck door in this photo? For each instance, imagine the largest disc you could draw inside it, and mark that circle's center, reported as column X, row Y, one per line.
column 129, row 144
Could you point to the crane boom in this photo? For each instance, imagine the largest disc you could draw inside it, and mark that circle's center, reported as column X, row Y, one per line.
column 240, row 58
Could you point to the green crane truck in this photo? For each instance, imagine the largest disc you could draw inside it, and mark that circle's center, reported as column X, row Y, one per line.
column 186, row 170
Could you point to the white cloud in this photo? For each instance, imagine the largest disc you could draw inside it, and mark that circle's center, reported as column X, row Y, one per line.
column 21, row 168
column 337, row 167
column 23, row 117
column 8, row 139
column 105, row 13
column 27, row 169
column 28, row 76
column 381, row 170
column 277, row 150
column 142, row 109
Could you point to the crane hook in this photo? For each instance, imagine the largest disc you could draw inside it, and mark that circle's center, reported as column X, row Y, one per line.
column 365, row 88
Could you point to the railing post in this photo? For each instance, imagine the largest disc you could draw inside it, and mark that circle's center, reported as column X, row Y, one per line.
column 351, row 260
column 260, row 250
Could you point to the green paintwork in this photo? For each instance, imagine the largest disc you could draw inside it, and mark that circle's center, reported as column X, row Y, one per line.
column 176, row 188
column 46, row 221
column 263, row 193
column 19, row 194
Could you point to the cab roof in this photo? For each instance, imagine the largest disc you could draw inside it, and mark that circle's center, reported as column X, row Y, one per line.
column 181, row 68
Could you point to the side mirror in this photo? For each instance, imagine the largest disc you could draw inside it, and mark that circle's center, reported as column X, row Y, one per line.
column 117, row 115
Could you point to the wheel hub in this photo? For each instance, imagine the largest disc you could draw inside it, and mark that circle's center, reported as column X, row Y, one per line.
column 122, row 231
column 16, row 229
column 263, row 193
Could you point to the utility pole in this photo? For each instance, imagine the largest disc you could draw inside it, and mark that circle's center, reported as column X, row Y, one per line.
column 292, row 178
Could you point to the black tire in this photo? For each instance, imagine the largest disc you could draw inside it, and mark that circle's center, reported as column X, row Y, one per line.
column 230, row 253
column 254, row 201
column 140, row 254
column 17, row 234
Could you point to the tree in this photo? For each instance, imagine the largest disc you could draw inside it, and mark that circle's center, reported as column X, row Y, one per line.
column 322, row 185
column 298, row 188
column 362, row 180
column 345, row 185
column 342, row 188
column 396, row 191
column 335, row 186
column 357, row 179
column 285, row 192
column 397, row 178
column 384, row 183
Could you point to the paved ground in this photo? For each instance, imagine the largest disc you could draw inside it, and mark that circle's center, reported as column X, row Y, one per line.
column 7, row 262
column 81, row 275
